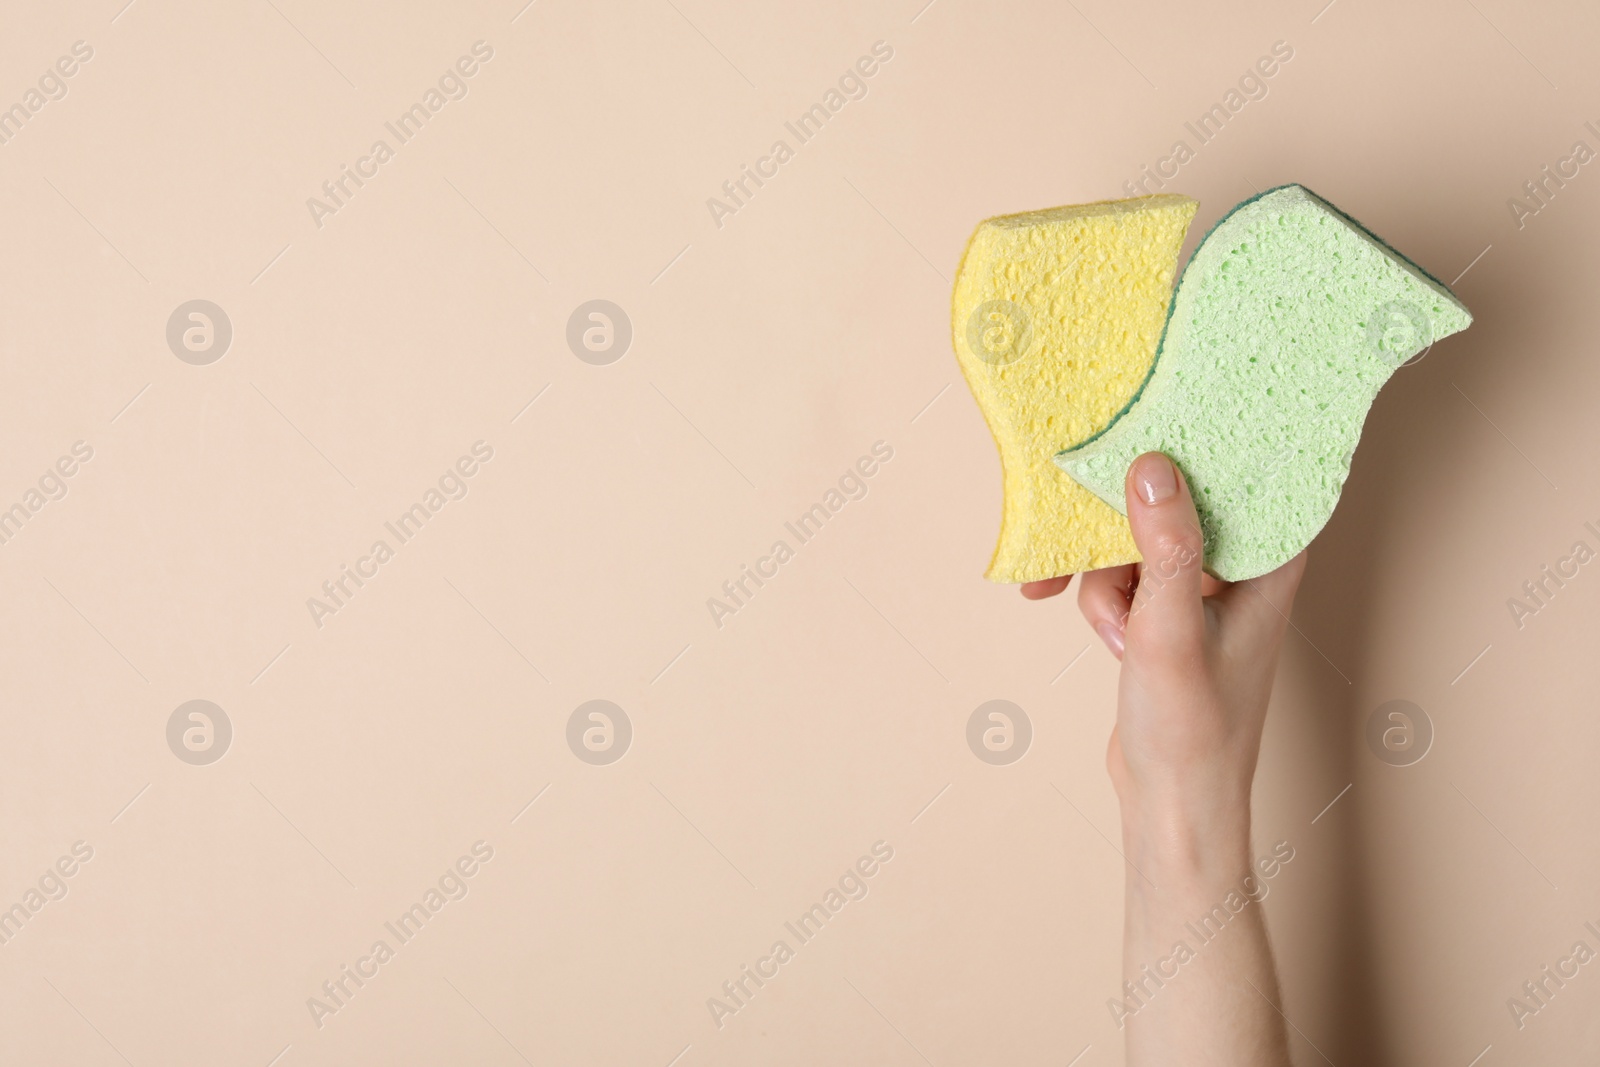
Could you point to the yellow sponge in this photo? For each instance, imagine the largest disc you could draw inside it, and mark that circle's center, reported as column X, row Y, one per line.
column 1056, row 316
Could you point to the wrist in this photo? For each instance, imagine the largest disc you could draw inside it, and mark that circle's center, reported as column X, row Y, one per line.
column 1187, row 839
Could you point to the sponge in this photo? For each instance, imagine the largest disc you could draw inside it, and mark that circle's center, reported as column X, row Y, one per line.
column 1288, row 319
column 1056, row 317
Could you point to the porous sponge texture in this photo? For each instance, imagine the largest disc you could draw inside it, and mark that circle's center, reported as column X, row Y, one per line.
column 1056, row 317
column 1287, row 321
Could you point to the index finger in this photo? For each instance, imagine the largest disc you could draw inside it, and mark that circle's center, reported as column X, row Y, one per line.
column 1046, row 587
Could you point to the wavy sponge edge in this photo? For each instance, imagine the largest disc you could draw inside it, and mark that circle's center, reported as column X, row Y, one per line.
column 1055, row 317
column 1288, row 319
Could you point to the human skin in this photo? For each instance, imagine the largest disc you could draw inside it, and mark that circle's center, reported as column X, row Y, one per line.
column 1198, row 659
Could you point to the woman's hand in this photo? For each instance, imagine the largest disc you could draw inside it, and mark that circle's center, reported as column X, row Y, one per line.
column 1198, row 659
column 1198, row 655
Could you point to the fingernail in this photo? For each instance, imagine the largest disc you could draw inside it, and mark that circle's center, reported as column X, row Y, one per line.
column 1112, row 637
column 1157, row 479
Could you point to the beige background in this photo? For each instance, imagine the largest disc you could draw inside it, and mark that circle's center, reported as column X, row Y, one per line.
column 768, row 354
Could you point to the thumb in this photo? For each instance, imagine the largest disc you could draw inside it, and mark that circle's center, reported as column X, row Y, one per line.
column 1167, row 609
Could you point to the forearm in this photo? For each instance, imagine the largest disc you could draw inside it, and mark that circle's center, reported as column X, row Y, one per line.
column 1201, row 986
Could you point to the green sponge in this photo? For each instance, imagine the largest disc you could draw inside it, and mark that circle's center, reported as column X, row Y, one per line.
column 1287, row 321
